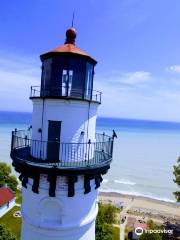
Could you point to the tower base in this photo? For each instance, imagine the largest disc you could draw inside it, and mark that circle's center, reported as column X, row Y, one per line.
column 60, row 217
column 86, row 232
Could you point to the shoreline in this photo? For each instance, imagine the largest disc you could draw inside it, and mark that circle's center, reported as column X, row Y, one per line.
column 113, row 193
column 143, row 206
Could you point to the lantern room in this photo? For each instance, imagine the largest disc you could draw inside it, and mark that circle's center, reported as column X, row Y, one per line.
column 67, row 71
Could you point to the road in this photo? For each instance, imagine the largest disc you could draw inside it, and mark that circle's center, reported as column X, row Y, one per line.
column 124, row 214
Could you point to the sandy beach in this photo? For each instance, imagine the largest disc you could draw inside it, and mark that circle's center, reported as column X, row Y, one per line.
column 142, row 206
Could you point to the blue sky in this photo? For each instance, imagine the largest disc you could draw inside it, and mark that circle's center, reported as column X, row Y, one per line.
column 136, row 44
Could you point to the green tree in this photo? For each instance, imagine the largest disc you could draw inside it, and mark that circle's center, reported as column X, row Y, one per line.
column 177, row 179
column 104, row 231
column 5, row 171
column 107, row 213
column 106, row 216
column 150, row 236
column 152, row 225
column 12, row 182
column 6, row 177
column 6, row 234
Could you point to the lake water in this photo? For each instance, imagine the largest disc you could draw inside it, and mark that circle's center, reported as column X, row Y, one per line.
column 143, row 159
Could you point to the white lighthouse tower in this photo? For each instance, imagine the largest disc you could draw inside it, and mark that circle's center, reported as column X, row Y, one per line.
column 61, row 159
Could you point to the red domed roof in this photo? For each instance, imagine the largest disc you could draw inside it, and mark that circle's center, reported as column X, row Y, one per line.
column 69, row 47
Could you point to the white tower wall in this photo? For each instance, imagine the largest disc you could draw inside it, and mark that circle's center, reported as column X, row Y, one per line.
column 60, row 217
column 78, row 123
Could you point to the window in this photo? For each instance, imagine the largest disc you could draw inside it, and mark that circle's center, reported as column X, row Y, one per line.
column 64, row 82
column 46, row 76
column 88, row 83
column 67, row 77
column 70, row 82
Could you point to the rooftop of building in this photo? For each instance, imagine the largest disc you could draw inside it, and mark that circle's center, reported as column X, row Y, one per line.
column 6, row 195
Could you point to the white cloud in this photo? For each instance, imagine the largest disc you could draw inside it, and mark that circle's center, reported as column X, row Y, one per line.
column 158, row 99
column 136, row 77
column 16, row 77
column 174, row 69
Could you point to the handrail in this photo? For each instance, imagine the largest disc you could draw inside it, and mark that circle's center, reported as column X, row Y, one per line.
column 81, row 155
column 66, row 92
column 19, row 132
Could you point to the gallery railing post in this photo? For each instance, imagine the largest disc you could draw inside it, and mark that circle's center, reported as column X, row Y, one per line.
column 12, row 140
column 89, row 145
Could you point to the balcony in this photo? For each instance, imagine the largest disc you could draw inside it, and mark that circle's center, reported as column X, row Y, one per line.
column 71, row 156
column 66, row 93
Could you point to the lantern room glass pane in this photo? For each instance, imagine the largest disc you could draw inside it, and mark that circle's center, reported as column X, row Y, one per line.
column 88, row 81
column 67, row 76
column 70, row 82
column 64, row 82
column 46, row 77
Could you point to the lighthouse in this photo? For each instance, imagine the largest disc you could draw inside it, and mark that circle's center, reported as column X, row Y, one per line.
column 60, row 158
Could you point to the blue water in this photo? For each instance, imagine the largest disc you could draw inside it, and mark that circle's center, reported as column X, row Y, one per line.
column 144, row 153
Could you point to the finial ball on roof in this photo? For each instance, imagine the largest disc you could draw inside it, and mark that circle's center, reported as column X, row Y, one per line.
column 70, row 36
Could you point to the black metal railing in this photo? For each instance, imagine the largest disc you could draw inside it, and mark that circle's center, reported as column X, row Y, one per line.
column 66, row 92
column 64, row 155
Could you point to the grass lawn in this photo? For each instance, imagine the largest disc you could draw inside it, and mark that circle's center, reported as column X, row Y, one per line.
column 116, row 233
column 12, row 223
